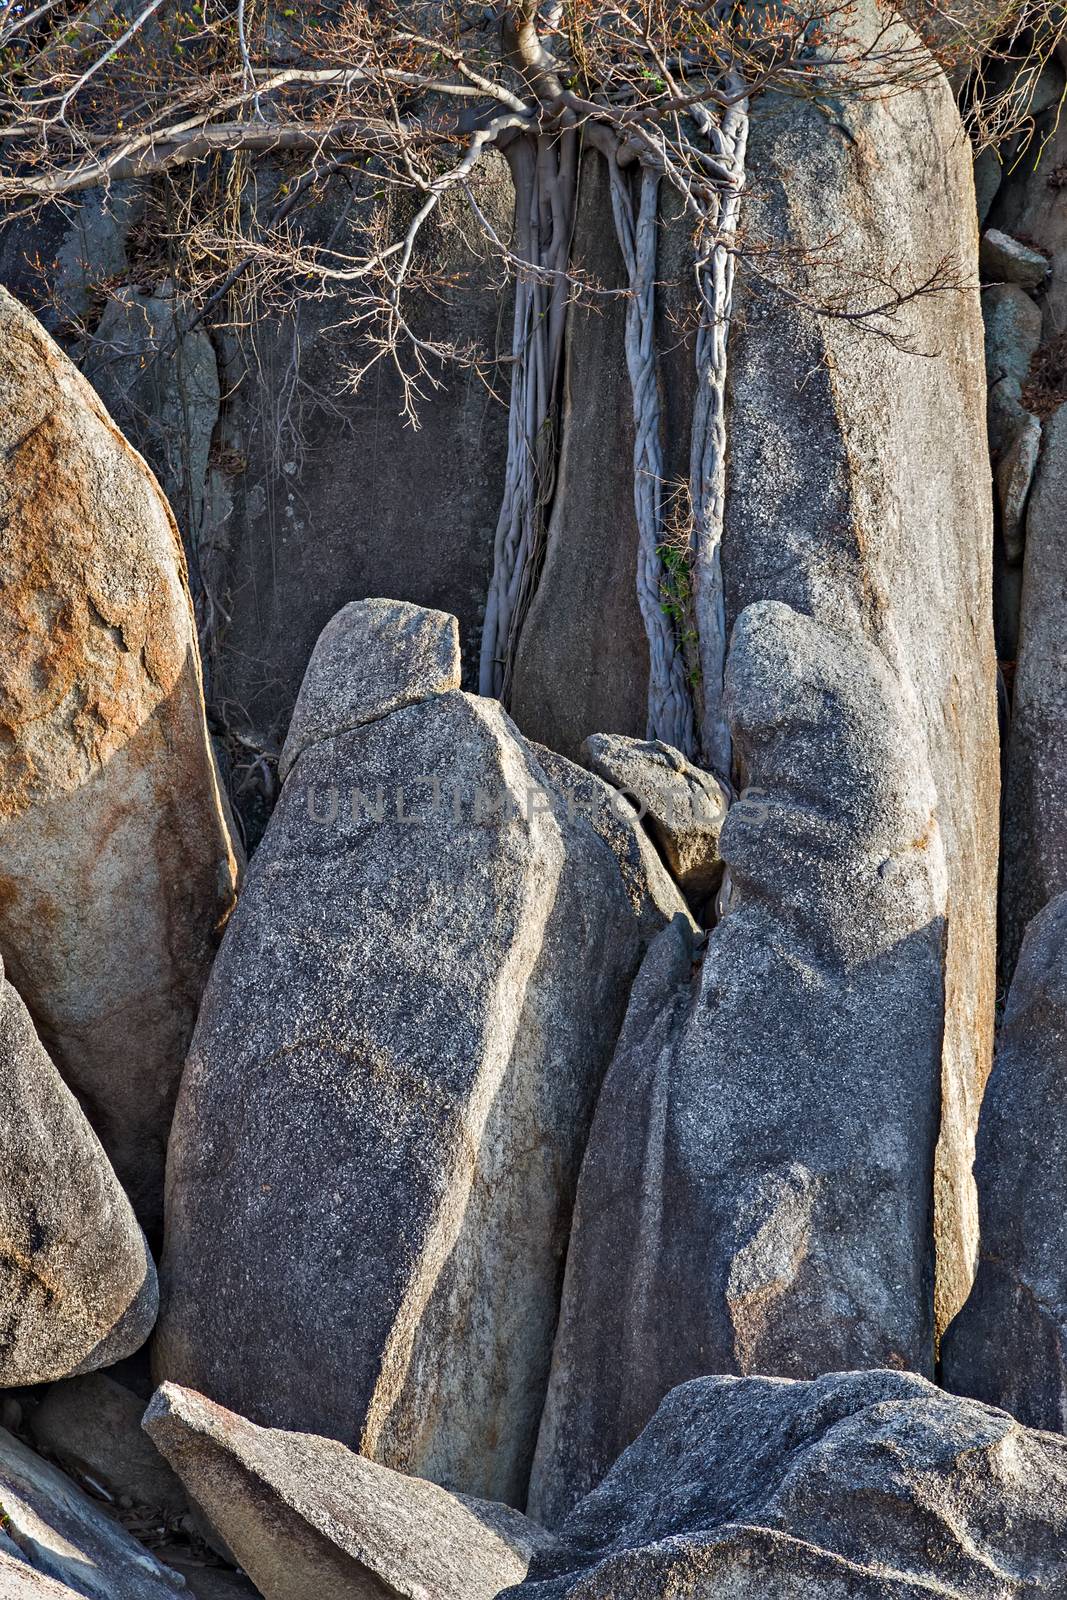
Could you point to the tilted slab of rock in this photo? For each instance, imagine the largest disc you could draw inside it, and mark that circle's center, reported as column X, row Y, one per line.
column 1035, row 819
column 20, row 1582
column 388, row 1094
column 308, row 1519
column 373, row 657
column 857, row 1486
column 653, row 893
column 858, row 491
column 115, row 861
column 756, row 1194
column 1007, row 260
column 77, row 1283
column 92, row 1425
column 682, row 806
column 1008, row 1345
column 59, row 1532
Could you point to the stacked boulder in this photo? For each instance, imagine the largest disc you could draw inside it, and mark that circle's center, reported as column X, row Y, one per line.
column 757, row 1191
column 396, row 1063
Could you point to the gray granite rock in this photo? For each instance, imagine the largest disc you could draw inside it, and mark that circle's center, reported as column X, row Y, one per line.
column 858, row 1486
column 1008, row 1346
column 18, row 1581
column 92, row 1426
column 655, row 897
column 682, row 806
column 756, row 1195
column 389, row 1091
column 59, row 1532
column 373, row 657
column 160, row 382
column 309, row 1520
column 1014, row 476
column 1035, row 834
column 1012, row 334
column 77, row 1283
column 859, row 492
column 1003, row 259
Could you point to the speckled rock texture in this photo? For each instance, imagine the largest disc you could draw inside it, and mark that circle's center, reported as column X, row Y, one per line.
column 20, row 1582
column 859, row 493
column 682, row 806
column 1035, row 822
column 373, row 657
column 116, row 867
column 388, row 1094
column 1008, row 1345
column 858, row 1486
column 64, row 1535
column 757, row 1191
column 308, row 1519
column 92, row 1426
column 77, row 1284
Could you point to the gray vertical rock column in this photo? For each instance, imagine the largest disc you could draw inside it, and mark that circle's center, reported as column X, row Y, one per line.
column 1035, row 810
column 1008, row 1346
column 757, row 1192
column 859, row 492
column 393, row 1074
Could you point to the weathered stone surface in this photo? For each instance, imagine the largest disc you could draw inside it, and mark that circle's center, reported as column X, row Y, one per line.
column 322, row 495
column 77, row 1284
column 1014, row 476
column 20, row 1582
column 1035, row 833
column 309, row 1520
column 653, row 894
column 92, row 1425
column 582, row 661
column 874, row 515
column 373, row 657
column 161, row 385
column 682, row 806
column 60, row 1532
column 988, row 172
column 756, row 1193
column 1008, row 1345
column 115, row 862
column 858, row 1486
column 388, row 1094
column 1012, row 334
column 1003, row 259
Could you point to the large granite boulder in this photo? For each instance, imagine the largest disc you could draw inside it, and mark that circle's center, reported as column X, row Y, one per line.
column 1008, row 1345
column 857, row 1486
column 63, row 1535
column 859, row 492
column 1035, row 830
column 309, row 1520
column 77, row 1284
column 391, row 1082
column 116, row 867
column 756, row 1194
